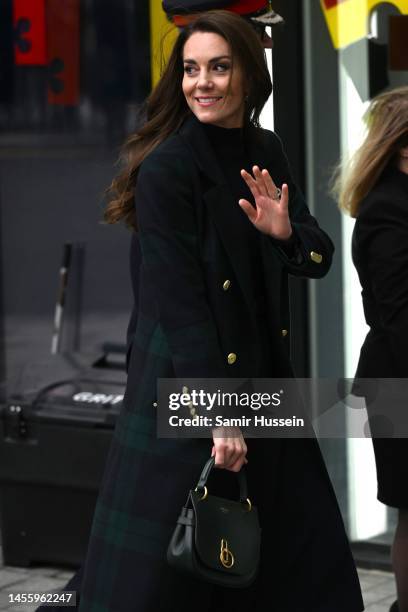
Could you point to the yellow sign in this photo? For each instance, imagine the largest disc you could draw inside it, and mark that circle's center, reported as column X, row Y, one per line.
column 348, row 20
column 162, row 37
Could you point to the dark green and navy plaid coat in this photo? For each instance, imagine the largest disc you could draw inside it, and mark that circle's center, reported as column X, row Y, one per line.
column 187, row 325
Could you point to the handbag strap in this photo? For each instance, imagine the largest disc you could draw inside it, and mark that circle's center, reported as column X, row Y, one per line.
column 243, row 487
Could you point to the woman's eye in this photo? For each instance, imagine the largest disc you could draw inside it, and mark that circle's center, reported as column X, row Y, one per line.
column 189, row 69
column 221, row 67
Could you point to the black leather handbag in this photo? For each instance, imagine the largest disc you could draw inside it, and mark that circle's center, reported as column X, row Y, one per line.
column 216, row 539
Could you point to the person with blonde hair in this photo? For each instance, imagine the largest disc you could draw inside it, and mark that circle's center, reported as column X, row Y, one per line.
column 374, row 190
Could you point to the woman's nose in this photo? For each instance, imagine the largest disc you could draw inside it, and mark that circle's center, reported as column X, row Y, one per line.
column 204, row 81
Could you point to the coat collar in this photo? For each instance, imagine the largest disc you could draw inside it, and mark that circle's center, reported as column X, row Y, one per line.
column 216, row 191
column 196, row 140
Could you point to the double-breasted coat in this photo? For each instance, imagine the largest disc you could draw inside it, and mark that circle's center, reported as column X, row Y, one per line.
column 195, row 318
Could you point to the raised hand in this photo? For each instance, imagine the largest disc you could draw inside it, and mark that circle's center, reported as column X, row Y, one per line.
column 270, row 215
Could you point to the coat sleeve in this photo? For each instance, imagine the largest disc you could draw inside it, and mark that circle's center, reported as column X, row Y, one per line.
column 172, row 266
column 382, row 230
column 310, row 251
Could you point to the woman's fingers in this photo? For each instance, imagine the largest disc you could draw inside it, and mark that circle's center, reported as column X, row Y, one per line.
column 219, row 456
column 262, row 184
column 237, row 465
column 251, row 182
column 271, row 188
column 225, row 455
column 239, row 459
column 270, row 214
column 255, row 183
column 229, row 448
column 285, row 196
column 249, row 210
column 260, row 181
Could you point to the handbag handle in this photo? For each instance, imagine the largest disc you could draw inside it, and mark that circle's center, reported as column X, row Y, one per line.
column 243, row 487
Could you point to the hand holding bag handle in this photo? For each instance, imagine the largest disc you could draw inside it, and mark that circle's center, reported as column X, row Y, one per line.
column 216, row 539
column 243, row 487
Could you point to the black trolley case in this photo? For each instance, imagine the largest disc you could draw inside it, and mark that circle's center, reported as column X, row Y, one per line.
column 53, row 448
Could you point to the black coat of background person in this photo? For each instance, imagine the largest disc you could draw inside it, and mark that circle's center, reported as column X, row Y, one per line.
column 380, row 254
column 186, row 326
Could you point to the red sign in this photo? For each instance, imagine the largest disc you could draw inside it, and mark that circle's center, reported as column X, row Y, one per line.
column 332, row 3
column 63, row 51
column 29, row 33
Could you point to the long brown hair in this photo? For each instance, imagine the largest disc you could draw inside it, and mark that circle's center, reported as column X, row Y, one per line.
column 387, row 132
column 166, row 107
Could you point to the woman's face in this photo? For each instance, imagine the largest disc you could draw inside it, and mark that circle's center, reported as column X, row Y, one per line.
column 215, row 92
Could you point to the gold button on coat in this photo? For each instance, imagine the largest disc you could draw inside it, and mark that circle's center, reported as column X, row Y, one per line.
column 226, row 285
column 284, row 332
column 316, row 257
column 232, row 358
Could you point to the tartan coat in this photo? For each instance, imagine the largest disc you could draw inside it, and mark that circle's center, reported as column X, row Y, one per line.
column 186, row 324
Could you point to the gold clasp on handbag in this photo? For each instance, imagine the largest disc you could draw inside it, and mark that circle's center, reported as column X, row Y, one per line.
column 226, row 556
column 204, row 495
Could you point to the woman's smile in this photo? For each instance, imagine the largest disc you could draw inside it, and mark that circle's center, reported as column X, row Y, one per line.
column 203, row 101
column 213, row 84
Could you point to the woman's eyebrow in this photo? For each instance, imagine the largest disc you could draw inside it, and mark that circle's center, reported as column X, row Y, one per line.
column 211, row 61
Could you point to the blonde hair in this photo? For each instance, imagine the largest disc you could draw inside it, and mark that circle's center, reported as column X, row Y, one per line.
column 387, row 131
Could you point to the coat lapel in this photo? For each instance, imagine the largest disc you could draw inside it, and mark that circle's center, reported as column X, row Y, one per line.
column 219, row 201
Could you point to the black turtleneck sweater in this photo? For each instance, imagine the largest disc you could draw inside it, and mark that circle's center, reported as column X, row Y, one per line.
column 231, row 151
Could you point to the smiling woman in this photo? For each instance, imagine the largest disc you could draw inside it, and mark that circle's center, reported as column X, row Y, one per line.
column 215, row 90
column 220, row 225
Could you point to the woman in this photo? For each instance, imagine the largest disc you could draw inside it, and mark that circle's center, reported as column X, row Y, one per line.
column 212, row 302
column 375, row 192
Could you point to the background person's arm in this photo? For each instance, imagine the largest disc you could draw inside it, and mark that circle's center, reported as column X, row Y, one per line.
column 382, row 232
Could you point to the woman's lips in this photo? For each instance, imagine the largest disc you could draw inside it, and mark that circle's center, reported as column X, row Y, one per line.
column 207, row 101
